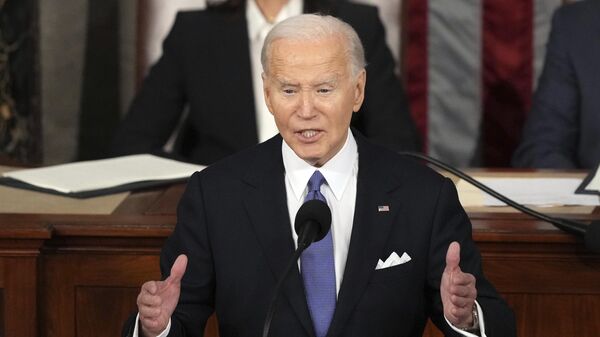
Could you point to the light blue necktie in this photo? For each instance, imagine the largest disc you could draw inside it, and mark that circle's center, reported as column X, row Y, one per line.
column 318, row 269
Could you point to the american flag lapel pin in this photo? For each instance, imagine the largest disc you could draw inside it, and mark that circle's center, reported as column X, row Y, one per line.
column 384, row 208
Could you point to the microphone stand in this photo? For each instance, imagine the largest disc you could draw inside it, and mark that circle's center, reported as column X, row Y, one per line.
column 566, row 225
column 271, row 310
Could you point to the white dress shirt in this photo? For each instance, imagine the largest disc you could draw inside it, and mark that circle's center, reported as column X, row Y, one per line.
column 340, row 173
column 258, row 28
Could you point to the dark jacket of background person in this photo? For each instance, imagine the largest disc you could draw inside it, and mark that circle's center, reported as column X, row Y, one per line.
column 563, row 130
column 206, row 66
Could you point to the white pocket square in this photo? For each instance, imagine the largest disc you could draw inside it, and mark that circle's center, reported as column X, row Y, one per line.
column 393, row 260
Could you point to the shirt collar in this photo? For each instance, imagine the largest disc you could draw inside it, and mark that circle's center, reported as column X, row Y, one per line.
column 257, row 22
column 337, row 171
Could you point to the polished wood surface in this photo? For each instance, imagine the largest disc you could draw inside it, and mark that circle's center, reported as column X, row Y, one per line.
column 79, row 275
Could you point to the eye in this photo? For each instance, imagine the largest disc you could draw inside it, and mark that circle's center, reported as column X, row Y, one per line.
column 287, row 91
column 324, row 91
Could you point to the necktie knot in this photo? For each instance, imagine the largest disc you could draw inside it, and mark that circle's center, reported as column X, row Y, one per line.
column 314, row 187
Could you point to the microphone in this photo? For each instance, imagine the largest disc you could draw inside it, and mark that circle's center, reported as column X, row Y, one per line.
column 312, row 223
column 590, row 233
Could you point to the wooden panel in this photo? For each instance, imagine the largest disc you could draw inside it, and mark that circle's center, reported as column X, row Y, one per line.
column 212, row 327
column 101, row 309
column 65, row 274
column 587, row 312
column 2, row 317
column 552, row 273
column 552, row 315
column 19, row 296
column 19, row 251
column 432, row 331
column 93, row 295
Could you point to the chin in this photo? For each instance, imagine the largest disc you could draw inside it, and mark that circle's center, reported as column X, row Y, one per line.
column 309, row 157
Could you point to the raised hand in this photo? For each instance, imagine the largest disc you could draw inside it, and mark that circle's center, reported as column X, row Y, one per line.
column 157, row 300
column 457, row 290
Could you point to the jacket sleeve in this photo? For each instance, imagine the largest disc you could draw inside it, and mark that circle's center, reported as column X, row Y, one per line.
column 158, row 106
column 451, row 223
column 551, row 132
column 190, row 237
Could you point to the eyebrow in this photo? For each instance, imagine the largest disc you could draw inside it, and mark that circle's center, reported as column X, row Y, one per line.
column 333, row 80
column 284, row 82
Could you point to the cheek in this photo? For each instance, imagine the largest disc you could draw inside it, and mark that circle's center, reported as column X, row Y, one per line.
column 282, row 112
column 284, row 103
column 339, row 112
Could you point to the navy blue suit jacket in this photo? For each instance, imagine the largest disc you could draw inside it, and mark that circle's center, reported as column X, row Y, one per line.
column 563, row 129
column 234, row 226
column 206, row 66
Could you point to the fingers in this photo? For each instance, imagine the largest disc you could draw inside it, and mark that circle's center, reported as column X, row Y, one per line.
column 458, row 289
column 152, row 291
column 148, row 299
column 461, row 287
column 460, row 279
column 462, row 294
column 150, row 287
column 157, row 299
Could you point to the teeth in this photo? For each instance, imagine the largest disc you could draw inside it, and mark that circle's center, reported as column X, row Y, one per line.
column 309, row 133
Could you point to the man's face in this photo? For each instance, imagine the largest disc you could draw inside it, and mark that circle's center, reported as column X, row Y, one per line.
column 311, row 93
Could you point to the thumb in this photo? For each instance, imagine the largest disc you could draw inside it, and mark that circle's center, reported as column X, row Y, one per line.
column 453, row 256
column 178, row 269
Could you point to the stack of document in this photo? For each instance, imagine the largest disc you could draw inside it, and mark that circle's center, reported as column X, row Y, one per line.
column 544, row 192
column 591, row 183
column 99, row 177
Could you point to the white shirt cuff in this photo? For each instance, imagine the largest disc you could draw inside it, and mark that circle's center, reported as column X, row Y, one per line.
column 162, row 334
column 481, row 324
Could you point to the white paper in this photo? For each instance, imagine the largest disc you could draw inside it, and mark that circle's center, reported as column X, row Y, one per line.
column 104, row 173
column 594, row 183
column 528, row 191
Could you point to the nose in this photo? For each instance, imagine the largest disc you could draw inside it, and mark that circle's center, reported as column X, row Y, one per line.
column 307, row 108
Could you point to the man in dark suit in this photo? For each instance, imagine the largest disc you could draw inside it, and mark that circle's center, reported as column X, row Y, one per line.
column 563, row 129
column 207, row 57
column 399, row 250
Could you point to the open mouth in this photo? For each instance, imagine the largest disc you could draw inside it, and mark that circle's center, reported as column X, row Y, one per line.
column 309, row 135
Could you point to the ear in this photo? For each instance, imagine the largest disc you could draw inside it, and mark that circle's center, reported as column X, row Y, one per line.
column 359, row 90
column 266, row 91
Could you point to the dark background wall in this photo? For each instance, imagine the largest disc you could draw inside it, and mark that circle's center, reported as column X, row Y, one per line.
column 19, row 82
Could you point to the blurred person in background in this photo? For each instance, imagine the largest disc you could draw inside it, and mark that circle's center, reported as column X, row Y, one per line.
column 213, row 55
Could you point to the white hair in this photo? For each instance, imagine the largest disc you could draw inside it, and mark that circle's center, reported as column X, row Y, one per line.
column 313, row 27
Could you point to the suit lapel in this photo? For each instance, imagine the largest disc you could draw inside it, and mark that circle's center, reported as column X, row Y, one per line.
column 375, row 187
column 267, row 209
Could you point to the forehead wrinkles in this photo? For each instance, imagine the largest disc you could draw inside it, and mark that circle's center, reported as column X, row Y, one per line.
column 313, row 62
column 319, row 52
column 332, row 79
